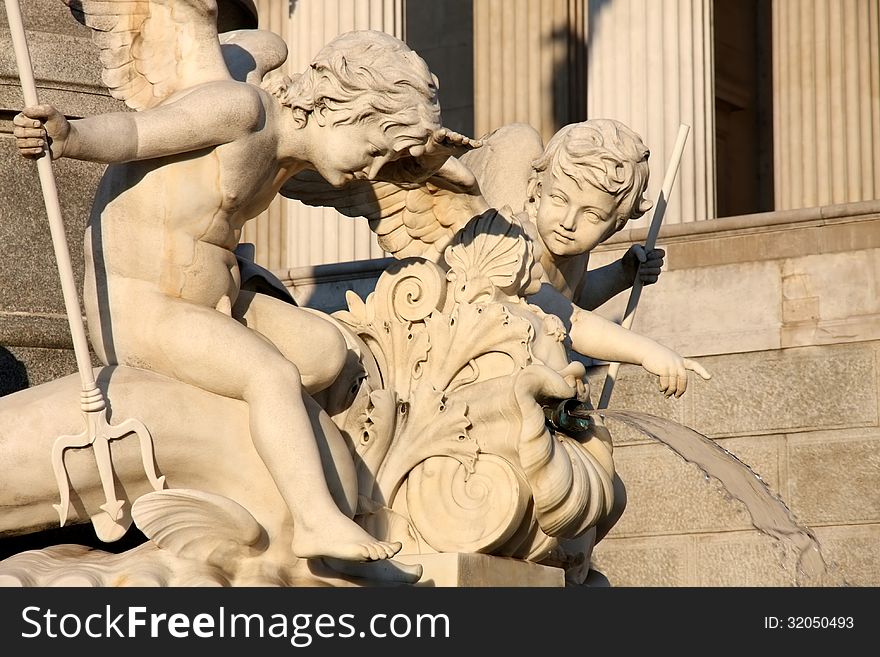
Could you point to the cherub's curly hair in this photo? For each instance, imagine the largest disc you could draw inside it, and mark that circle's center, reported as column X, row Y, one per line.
column 367, row 74
column 606, row 154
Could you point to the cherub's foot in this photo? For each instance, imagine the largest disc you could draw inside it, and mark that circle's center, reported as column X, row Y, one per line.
column 341, row 539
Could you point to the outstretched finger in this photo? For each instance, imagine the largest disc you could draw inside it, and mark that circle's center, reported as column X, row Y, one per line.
column 696, row 367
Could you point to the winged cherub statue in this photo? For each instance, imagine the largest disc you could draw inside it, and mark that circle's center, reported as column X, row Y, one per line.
column 205, row 151
column 569, row 197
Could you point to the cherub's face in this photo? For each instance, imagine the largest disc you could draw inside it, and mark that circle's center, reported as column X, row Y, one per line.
column 346, row 152
column 572, row 220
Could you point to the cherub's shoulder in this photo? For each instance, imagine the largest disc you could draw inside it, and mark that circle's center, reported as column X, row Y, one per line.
column 237, row 101
column 234, row 91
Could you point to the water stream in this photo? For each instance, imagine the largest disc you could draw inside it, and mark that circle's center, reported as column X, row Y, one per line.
column 769, row 513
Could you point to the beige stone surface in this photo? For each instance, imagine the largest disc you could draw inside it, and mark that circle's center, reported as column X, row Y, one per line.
column 728, row 308
column 658, row 561
column 742, row 559
column 667, row 495
column 852, row 552
column 760, row 283
column 764, row 236
column 792, row 389
column 481, row 570
column 822, row 306
column 834, row 476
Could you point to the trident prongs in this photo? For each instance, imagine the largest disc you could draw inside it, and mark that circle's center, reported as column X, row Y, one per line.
column 111, row 523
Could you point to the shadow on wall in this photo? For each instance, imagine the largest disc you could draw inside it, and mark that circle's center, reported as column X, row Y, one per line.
column 569, row 76
column 442, row 33
column 13, row 373
column 570, row 73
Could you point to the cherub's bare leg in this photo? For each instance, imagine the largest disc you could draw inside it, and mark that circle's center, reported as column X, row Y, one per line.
column 205, row 348
column 313, row 344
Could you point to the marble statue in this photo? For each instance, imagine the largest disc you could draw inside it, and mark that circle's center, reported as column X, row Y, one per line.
column 569, row 197
column 301, row 448
column 162, row 287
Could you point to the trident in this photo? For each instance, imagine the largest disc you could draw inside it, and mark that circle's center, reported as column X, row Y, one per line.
column 111, row 524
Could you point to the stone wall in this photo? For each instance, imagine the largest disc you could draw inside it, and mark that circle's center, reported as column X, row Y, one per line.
column 783, row 309
column 35, row 344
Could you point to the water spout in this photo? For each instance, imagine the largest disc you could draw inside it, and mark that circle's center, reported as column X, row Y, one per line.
column 768, row 512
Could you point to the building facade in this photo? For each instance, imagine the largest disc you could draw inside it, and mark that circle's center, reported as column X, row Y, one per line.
column 772, row 234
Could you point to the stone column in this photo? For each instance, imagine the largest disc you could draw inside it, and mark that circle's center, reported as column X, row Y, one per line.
column 291, row 234
column 529, row 63
column 826, row 98
column 650, row 65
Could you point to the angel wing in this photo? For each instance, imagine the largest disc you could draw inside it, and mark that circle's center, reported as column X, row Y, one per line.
column 422, row 219
column 503, row 164
column 150, row 49
column 409, row 220
column 251, row 54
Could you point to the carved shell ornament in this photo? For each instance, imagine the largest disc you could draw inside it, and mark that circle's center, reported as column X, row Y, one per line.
column 454, row 439
column 490, row 255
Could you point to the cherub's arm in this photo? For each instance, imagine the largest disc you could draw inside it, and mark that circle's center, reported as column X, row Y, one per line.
column 594, row 336
column 601, row 284
column 214, row 114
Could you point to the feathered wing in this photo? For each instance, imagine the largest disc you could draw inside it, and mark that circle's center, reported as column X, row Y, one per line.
column 150, row 49
column 410, row 220
column 503, row 164
column 251, row 54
